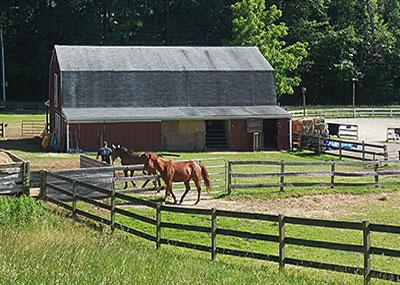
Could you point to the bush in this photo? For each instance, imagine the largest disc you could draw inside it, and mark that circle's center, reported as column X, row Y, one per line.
column 19, row 211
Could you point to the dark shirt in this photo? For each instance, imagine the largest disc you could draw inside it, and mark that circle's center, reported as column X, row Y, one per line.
column 105, row 153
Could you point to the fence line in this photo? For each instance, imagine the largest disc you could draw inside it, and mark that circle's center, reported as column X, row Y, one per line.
column 341, row 148
column 280, row 238
column 347, row 112
column 332, row 174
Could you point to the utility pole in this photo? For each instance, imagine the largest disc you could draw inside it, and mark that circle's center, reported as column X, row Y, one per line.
column 303, row 90
column 3, row 67
column 354, row 80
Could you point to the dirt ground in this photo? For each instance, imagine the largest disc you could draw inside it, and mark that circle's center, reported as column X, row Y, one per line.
column 328, row 206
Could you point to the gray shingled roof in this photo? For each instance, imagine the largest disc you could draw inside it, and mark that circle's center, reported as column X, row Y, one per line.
column 172, row 113
column 140, row 58
column 143, row 83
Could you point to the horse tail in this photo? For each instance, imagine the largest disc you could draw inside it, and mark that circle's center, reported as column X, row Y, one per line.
column 206, row 177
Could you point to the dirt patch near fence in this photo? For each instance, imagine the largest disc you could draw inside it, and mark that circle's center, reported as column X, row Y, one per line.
column 331, row 206
column 55, row 164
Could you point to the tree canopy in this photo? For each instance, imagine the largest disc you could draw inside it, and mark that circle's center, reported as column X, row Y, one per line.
column 320, row 44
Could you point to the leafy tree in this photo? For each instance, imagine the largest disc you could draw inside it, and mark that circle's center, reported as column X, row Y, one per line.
column 255, row 25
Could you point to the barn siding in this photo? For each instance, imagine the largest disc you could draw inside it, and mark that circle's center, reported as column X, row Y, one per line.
column 136, row 135
column 283, row 134
column 240, row 138
column 183, row 135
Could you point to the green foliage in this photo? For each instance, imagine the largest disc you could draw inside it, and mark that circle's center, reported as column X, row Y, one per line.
column 19, row 211
column 254, row 25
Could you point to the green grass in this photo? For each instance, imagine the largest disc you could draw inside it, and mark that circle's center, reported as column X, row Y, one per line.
column 15, row 119
column 52, row 249
column 387, row 212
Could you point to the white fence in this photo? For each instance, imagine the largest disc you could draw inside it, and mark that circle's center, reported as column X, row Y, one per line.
column 346, row 112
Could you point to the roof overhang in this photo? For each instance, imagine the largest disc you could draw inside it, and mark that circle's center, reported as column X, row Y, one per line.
column 113, row 115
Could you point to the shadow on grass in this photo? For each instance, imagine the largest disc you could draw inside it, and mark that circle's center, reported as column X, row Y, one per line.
column 22, row 144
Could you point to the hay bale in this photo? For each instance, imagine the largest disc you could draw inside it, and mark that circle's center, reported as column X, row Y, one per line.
column 5, row 158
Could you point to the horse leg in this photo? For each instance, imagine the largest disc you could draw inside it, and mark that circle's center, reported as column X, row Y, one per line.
column 187, row 185
column 126, row 175
column 169, row 189
column 197, row 182
column 133, row 182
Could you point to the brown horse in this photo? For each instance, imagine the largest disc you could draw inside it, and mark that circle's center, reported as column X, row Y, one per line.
column 177, row 171
column 129, row 157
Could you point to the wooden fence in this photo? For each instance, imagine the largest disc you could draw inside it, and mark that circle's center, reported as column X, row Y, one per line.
column 376, row 174
column 14, row 177
column 365, row 247
column 340, row 112
column 350, row 149
column 32, row 128
column 3, row 130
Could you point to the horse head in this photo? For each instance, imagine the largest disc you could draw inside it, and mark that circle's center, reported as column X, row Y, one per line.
column 116, row 152
column 150, row 161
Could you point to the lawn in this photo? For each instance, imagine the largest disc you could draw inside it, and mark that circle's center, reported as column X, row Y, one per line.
column 47, row 248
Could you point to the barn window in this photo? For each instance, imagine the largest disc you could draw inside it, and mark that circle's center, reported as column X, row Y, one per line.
column 55, row 90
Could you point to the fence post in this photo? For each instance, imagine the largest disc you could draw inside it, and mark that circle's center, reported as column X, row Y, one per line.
column 340, row 150
column 376, row 175
column 367, row 249
column 363, row 150
column 281, row 220
column 282, row 177
column 158, row 225
column 213, row 233
column 26, row 177
column 43, row 182
column 385, row 153
column 229, row 177
column 333, row 167
column 112, row 212
column 225, row 175
column 74, row 197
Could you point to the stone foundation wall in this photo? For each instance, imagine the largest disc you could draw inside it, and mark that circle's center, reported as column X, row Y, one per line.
column 183, row 135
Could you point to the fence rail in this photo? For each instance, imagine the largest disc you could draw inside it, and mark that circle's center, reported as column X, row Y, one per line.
column 376, row 174
column 342, row 148
column 3, row 130
column 281, row 239
column 32, row 127
column 347, row 112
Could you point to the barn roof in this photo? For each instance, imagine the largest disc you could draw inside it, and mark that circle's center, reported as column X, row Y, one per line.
column 81, row 115
column 152, row 83
column 151, row 58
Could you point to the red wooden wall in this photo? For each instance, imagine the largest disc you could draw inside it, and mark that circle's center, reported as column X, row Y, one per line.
column 240, row 138
column 136, row 136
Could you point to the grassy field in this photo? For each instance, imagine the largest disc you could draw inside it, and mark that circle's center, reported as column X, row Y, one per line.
column 42, row 247
column 384, row 212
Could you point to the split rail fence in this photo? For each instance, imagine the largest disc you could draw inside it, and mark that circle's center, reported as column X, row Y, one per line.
column 364, row 248
column 241, row 173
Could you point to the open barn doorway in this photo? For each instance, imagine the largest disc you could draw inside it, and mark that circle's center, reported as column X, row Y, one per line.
column 270, row 134
column 217, row 135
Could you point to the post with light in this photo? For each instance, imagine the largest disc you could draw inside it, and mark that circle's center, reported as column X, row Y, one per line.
column 303, row 90
column 354, row 80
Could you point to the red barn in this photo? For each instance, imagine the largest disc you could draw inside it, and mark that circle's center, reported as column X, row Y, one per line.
column 165, row 98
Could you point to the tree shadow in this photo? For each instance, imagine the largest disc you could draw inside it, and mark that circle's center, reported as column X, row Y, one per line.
column 22, row 144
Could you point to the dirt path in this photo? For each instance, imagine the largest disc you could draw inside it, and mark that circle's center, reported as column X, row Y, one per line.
column 331, row 206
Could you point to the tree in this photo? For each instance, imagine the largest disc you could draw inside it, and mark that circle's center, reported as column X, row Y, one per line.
column 255, row 25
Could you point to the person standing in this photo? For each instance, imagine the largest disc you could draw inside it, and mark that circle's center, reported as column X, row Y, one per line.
column 105, row 153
